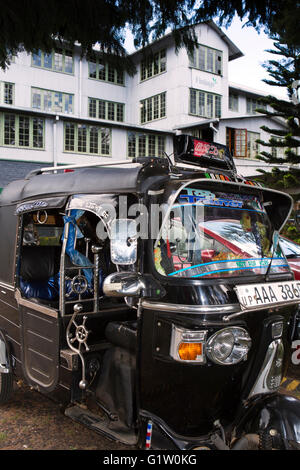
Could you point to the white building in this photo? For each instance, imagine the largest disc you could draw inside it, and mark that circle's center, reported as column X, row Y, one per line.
column 60, row 108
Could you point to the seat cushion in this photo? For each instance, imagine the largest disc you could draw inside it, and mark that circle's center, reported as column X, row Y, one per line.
column 39, row 263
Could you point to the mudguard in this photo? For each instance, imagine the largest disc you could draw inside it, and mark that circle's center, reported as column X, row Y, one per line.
column 275, row 418
column 5, row 360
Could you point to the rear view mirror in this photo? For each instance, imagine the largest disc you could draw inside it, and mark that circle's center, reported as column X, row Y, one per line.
column 123, row 241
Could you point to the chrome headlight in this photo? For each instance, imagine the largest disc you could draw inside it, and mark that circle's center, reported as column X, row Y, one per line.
column 228, row 346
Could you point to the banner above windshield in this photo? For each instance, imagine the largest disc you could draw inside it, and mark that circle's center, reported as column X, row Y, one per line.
column 215, row 234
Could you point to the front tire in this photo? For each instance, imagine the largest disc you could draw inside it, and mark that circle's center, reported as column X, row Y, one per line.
column 6, row 387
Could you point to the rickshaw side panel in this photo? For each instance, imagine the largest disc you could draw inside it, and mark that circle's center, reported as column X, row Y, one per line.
column 9, row 312
column 40, row 345
column 8, row 224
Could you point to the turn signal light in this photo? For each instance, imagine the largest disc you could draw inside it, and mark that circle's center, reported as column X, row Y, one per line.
column 190, row 351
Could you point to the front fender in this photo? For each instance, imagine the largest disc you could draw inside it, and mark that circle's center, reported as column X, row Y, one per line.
column 275, row 418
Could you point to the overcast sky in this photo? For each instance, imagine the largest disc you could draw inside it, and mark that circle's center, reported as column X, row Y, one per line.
column 246, row 70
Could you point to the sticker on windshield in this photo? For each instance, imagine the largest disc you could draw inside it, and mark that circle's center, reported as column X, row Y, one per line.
column 207, row 198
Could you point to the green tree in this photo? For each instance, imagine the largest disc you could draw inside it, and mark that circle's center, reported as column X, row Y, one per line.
column 34, row 24
column 284, row 72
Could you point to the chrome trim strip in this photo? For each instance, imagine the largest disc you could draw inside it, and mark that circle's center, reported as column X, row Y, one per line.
column 190, row 308
column 6, row 286
column 271, row 370
column 34, row 306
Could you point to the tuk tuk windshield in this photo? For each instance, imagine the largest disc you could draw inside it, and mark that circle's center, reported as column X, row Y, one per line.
column 215, row 234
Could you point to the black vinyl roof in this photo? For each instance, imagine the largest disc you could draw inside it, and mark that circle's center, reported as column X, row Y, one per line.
column 109, row 180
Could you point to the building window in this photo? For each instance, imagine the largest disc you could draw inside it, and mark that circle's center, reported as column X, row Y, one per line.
column 154, row 65
column 207, row 59
column 278, row 152
column 7, row 92
column 242, row 143
column 59, row 60
column 252, row 145
column 153, row 108
column 205, row 104
column 145, row 145
column 110, row 110
column 54, row 101
column 99, row 70
column 83, row 138
column 22, row 131
column 253, row 104
column 233, row 102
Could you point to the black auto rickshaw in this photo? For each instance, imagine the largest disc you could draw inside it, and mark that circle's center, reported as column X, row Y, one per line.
column 152, row 299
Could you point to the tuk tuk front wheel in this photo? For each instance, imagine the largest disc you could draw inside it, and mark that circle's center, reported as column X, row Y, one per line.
column 6, row 387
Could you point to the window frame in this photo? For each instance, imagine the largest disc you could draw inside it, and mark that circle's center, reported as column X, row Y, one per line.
column 153, row 65
column 148, row 107
column 252, row 104
column 199, row 59
column 102, row 132
column 17, row 131
column 3, row 84
column 107, row 103
column 44, row 92
column 158, row 139
column 63, row 52
column 102, row 74
column 233, row 101
column 215, row 105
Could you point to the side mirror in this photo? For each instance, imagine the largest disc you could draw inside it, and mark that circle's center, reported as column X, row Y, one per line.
column 131, row 284
column 123, row 241
column 123, row 284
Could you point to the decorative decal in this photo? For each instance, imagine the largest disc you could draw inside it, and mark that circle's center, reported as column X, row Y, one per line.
column 208, row 198
column 31, row 206
column 204, row 148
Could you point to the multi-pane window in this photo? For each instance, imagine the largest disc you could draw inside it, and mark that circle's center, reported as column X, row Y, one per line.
column 110, row 110
column 145, row 145
column 207, row 59
column 83, row 138
column 7, row 92
column 253, row 104
column 252, row 145
column 205, row 104
column 233, row 102
column 22, row 131
column 278, row 152
column 154, row 65
column 54, row 101
column 153, row 108
column 59, row 60
column 100, row 70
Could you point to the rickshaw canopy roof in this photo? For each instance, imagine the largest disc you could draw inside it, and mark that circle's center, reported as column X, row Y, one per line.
column 109, row 180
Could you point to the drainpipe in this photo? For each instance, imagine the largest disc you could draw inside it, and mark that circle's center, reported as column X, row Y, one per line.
column 80, row 88
column 55, row 140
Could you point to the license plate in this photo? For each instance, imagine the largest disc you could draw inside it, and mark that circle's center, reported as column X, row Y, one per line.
column 255, row 296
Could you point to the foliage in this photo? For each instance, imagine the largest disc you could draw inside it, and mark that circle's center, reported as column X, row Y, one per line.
column 31, row 25
column 284, row 72
column 291, row 231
